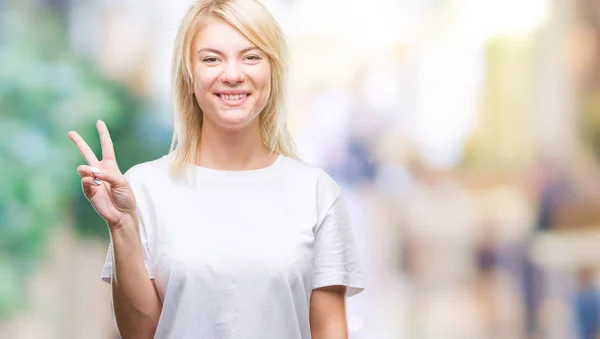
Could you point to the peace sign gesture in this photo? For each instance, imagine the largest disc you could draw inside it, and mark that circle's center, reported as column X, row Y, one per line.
column 103, row 184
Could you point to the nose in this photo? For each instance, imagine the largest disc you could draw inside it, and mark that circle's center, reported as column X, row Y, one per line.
column 233, row 74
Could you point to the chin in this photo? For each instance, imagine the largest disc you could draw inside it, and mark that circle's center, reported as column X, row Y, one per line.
column 235, row 121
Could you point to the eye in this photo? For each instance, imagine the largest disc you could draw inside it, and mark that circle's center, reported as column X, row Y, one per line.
column 253, row 57
column 210, row 59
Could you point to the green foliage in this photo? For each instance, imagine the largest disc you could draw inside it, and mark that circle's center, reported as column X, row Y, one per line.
column 45, row 91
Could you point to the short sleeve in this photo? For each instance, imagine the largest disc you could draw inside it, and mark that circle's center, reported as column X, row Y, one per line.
column 336, row 256
column 107, row 268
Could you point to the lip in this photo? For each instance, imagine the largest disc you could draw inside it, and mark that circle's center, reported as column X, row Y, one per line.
column 233, row 92
column 233, row 103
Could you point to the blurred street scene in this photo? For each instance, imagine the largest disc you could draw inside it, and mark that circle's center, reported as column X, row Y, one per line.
column 465, row 135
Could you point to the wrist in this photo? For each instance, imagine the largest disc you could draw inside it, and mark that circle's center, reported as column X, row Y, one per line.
column 127, row 222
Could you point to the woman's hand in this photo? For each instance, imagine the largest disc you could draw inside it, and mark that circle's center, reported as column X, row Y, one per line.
column 102, row 182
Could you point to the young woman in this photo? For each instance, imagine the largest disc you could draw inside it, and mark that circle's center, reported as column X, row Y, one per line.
column 229, row 235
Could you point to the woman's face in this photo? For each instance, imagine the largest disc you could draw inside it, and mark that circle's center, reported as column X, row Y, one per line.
column 232, row 77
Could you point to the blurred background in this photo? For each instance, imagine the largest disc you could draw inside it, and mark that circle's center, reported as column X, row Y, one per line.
column 465, row 135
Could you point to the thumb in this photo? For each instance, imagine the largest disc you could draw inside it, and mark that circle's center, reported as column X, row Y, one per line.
column 113, row 177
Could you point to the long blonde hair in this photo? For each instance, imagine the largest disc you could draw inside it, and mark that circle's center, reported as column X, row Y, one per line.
column 254, row 21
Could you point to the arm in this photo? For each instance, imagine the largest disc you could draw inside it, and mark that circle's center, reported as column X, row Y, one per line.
column 136, row 303
column 328, row 313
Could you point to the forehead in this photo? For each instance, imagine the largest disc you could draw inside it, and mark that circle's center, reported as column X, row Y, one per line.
column 218, row 34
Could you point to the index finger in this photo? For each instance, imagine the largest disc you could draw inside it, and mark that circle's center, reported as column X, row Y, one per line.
column 108, row 151
column 83, row 148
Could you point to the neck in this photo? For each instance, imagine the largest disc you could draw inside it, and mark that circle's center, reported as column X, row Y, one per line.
column 233, row 150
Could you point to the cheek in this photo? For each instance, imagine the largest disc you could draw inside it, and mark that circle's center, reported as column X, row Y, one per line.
column 262, row 79
column 204, row 79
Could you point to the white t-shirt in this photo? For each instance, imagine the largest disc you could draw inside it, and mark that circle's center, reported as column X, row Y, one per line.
column 237, row 254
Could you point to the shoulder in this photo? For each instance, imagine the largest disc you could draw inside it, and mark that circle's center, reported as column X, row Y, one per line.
column 309, row 175
column 148, row 170
column 305, row 171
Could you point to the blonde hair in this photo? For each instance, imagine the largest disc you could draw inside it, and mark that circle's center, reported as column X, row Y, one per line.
column 254, row 21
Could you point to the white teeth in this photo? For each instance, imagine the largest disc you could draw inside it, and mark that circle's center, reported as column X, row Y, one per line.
column 233, row 97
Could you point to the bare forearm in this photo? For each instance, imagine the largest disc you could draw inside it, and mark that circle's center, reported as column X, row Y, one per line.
column 136, row 305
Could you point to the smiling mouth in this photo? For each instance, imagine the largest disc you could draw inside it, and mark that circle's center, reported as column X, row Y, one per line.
column 233, row 97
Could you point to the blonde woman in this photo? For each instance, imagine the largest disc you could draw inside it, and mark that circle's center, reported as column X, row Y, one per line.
column 229, row 235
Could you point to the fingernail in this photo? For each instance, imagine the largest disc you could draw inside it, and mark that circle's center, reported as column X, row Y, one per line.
column 97, row 182
column 95, row 170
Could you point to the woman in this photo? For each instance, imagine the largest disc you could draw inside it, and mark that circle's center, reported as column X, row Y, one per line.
column 229, row 235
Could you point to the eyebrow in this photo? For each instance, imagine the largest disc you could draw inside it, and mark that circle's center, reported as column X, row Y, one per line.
column 245, row 50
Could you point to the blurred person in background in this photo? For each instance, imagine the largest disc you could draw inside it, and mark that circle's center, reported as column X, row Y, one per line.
column 586, row 304
column 552, row 189
column 230, row 235
column 486, row 258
